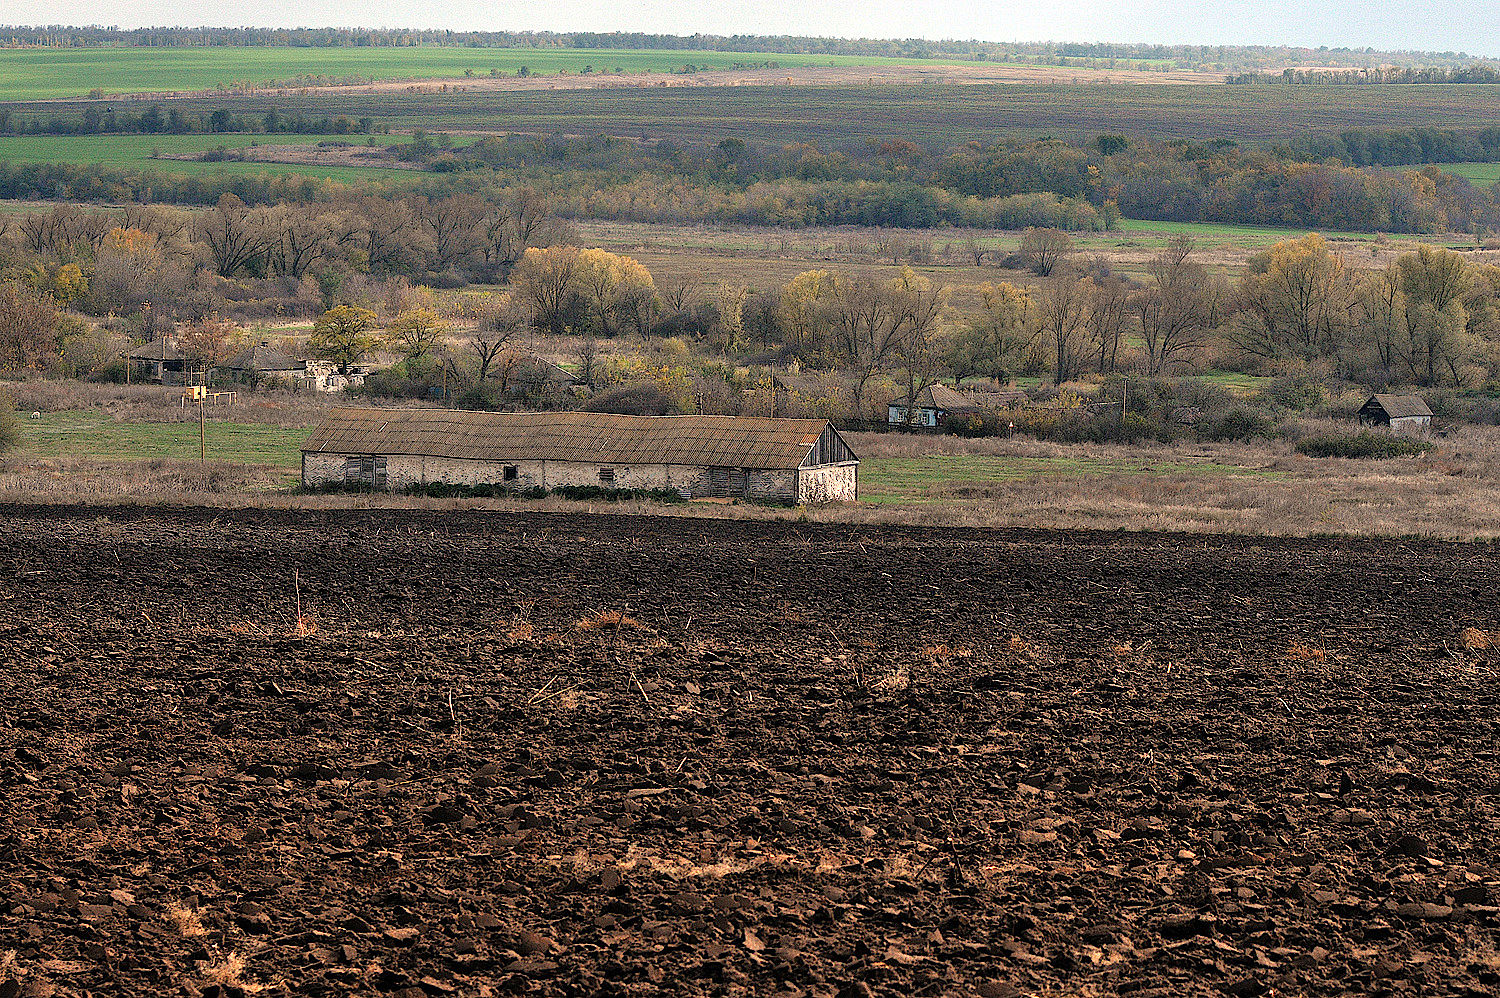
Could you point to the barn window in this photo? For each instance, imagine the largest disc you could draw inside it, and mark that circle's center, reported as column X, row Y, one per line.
column 510, row 472
column 607, row 476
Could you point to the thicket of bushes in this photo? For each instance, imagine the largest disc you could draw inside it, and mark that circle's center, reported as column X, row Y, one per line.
column 1363, row 444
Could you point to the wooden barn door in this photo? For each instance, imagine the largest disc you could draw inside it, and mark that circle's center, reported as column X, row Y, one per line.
column 718, row 483
column 739, row 483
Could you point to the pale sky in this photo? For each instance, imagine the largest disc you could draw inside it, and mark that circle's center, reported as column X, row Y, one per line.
column 1471, row 26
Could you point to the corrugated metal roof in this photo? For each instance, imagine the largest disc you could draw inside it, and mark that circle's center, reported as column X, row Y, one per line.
column 1401, row 406
column 587, row 437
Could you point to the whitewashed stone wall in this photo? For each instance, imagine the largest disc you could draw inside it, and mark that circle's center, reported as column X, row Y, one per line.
column 832, row 483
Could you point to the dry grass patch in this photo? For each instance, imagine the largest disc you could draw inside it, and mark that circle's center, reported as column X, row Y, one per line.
column 185, row 920
column 1298, row 651
column 1477, row 639
column 609, row 620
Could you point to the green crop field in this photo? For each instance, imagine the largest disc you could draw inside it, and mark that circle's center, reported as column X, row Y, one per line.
column 135, row 152
column 1480, row 174
column 31, row 74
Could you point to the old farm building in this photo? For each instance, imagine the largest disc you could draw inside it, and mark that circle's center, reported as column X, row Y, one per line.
column 1402, row 413
column 801, row 460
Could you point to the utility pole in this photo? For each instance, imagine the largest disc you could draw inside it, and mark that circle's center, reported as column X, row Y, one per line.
column 1124, row 394
column 202, row 437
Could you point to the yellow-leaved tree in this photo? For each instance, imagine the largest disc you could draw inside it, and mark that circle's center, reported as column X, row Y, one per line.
column 618, row 290
column 1295, row 301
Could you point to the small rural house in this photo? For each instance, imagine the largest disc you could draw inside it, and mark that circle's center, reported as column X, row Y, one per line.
column 938, row 402
column 261, row 361
column 159, row 361
column 797, row 460
column 1402, row 413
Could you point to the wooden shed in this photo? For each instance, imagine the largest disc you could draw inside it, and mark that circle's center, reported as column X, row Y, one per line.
column 798, row 460
column 1402, row 413
column 160, row 361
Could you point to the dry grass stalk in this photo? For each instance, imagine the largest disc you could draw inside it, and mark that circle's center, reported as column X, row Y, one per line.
column 896, row 678
column 609, row 620
column 185, row 920
column 1298, row 651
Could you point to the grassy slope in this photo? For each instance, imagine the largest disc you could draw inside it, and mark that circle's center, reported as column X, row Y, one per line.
column 92, row 433
column 29, row 74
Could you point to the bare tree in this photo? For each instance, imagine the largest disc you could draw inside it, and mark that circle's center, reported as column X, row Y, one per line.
column 1108, row 309
column 495, row 327
column 1062, row 311
column 1174, row 315
column 862, row 322
column 452, row 223
column 1043, row 250
column 588, row 361
column 975, row 250
column 917, row 305
column 235, row 234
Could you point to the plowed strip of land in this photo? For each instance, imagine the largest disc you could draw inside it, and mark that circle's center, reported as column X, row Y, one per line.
column 290, row 752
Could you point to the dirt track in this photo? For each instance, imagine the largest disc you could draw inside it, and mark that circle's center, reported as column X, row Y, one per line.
column 809, row 759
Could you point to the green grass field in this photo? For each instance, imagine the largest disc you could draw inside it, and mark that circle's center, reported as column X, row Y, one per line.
column 1479, row 174
column 938, row 478
column 30, row 74
column 1251, row 234
column 134, row 152
column 92, row 433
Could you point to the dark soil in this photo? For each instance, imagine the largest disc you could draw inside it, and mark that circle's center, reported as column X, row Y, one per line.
column 559, row 754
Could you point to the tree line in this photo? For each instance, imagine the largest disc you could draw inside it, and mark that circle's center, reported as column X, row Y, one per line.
column 893, row 183
column 1102, row 54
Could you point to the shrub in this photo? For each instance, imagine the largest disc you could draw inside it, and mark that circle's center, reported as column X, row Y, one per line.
column 10, row 424
column 633, row 400
column 1363, row 444
column 599, row 492
column 1239, row 423
column 1297, row 393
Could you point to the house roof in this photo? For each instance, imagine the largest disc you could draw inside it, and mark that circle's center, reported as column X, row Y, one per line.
column 161, row 349
column 1400, row 406
column 263, row 358
column 955, row 400
column 585, row 437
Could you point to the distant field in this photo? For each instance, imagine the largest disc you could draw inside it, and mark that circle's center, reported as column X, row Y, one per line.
column 1481, row 174
column 30, row 74
column 134, row 152
column 919, row 112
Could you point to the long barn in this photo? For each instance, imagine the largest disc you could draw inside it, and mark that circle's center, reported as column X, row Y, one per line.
column 796, row 460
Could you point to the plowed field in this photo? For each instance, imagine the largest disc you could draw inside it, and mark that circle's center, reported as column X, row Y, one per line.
column 569, row 755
